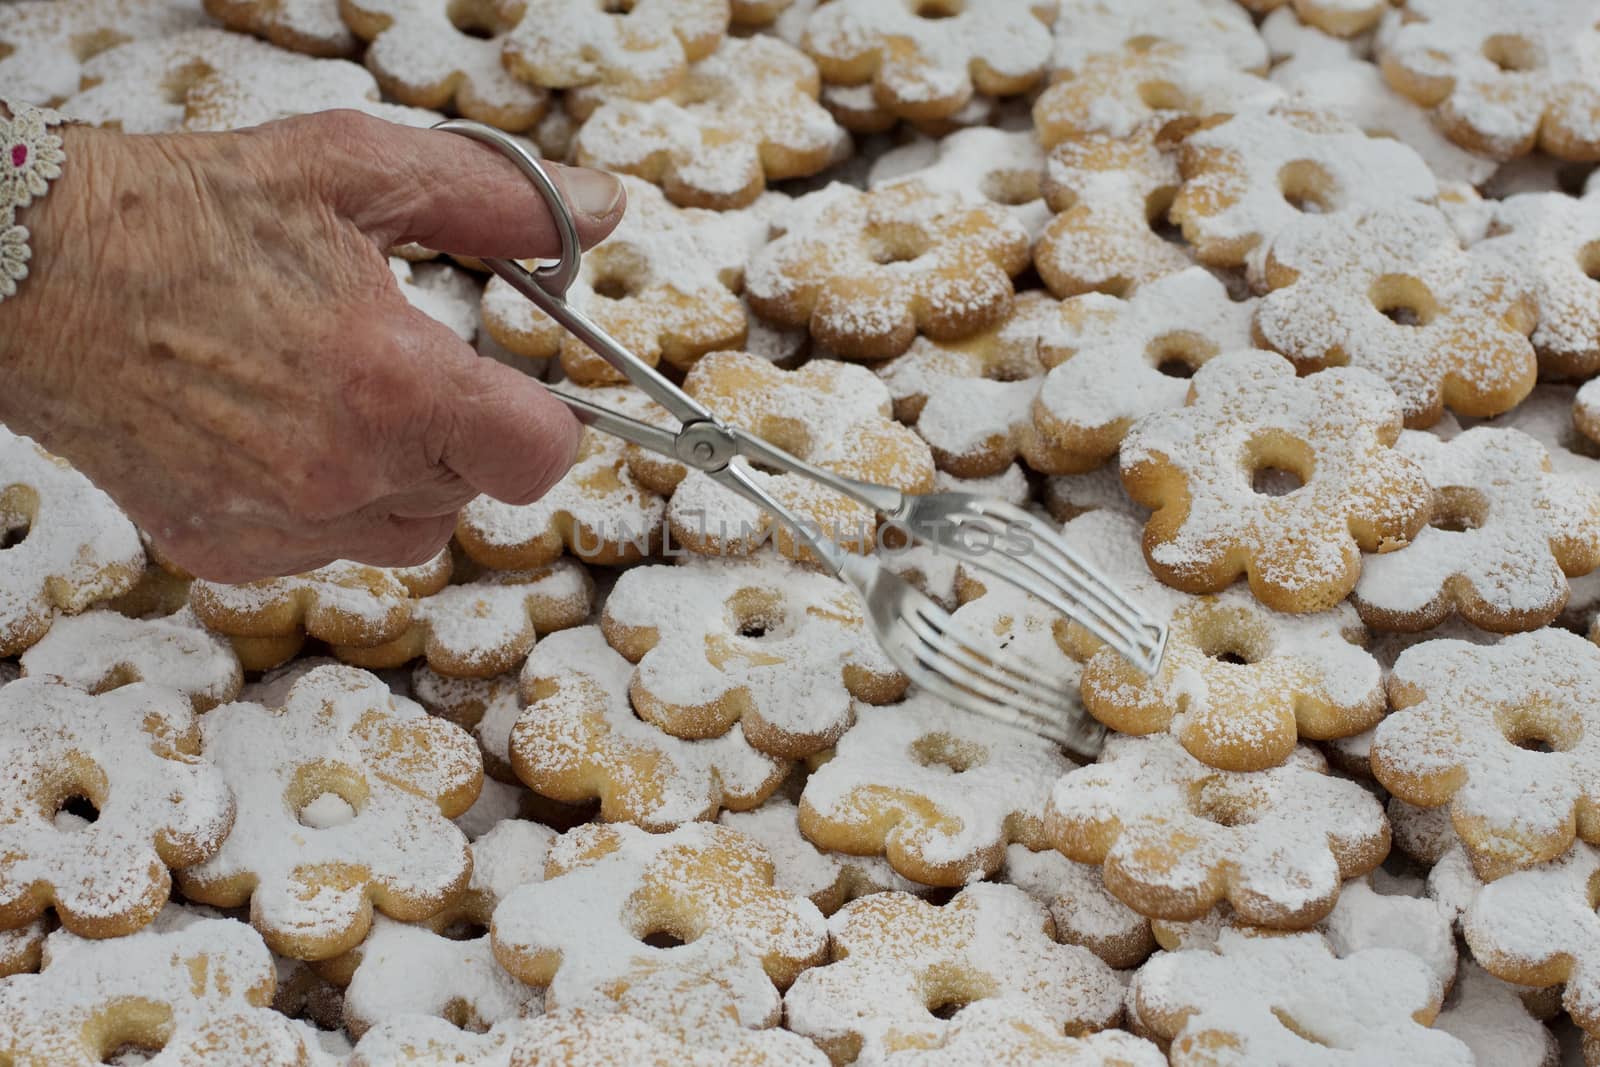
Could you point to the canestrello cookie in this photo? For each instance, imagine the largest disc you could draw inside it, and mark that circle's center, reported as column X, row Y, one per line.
column 1390, row 290
column 344, row 603
column 44, row 43
column 1505, row 536
column 344, row 798
column 1084, row 911
column 898, row 960
column 1473, row 726
column 1176, row 837
column 929, row 68
column 1340, row 18
column 1239, row 684
column 1550, row 241
column 640, row 51
column 981, row 163
column 1284, row 480
column 580, row 739
column 70, row 546
column 731, row 644
column 868, row 271
column 744, row 116
column 106, row 794
column 932, row 789
column 99, row 651
column 1219, row 28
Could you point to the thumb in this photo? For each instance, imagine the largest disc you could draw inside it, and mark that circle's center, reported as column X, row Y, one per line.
column 508, row 436
column 448, row 193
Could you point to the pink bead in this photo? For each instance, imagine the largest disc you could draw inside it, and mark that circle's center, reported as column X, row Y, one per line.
column 19, row 155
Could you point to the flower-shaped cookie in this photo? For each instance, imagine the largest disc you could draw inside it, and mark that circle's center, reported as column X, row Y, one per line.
column 868, row 271
column 345, row 796
column 195, row 989
column 1239, row 683
column 898, row 961
column 1552, row 240
column 1538, row 927
column 344, row 603
column 1341, row 18
column 933, row 788
column 608, row 888
column 831, row 414
column 101, row 650
column 1505, row 535
column 1115, row 361
column 1114, row 92
column 1249, row 175
column 1506, row 735
column 484, row 627
column 761, row 644
column 1109, row 194
column 438, row 53
column 745, row 115
column 1176, row 836
column 1291, row 1000
column 641, row 50
column 102, row 795
column 309, row 26
column 44, row 43
column 982, row 164
column 1489, row 1016
column 580, row 739
column 1084, row 911
column 1086, row 28
column 1282, row 479
column 925, row 60
column 64, row 545
column 445, row 966
column 1392, row 291
column 828, row 879
column 1503, row 76
column 598, row 511
column 665, row 284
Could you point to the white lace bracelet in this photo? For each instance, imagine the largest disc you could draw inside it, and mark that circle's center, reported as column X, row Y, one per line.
column 30, row 159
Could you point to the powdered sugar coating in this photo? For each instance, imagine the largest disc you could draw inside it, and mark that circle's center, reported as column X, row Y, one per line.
column 442, row 54
column 44, row 40
column 207, row 982
column 641, row 51
column 400, row 773
column 923, row 68
column 1524, row 530
column 1461, row 715
column 489, row 707
column 579, row 739
column 935, row 789
column 896, row 957
column 101, row 650
column 760, row 643
column 981, row 164
column 608, row 887
column 309, row 26
column 1109, row 366
column 1245, row 177
column 1489, row 1017
column 745, row 115
column 1291, row 1000
column 828, row 879
column 78, row 548
column 207, row 79
column 134, row 755
column 1345, row 18
column 1502, row 75
column 1085, row 28
column 1084, row 911
column 441, row 292
column 1176, row 836
column 866, row 271
column 1550, row 240
column 1239, row 683
column 1115, row 91
column 1393, row 292
column 1248, row 412
column 1108, row 193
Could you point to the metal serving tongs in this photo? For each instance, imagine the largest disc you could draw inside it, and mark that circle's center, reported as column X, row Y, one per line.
column 917, row 634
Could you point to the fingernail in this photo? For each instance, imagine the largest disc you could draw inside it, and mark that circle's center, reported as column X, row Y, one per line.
column 594, row 192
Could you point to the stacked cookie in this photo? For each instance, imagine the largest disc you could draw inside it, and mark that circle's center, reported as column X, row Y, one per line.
column 1286, row 309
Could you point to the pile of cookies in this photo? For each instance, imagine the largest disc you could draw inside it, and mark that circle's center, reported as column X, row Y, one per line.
column 1287, row 310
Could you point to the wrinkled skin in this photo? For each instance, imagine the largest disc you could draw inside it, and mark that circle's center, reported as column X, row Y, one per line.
column 211, row 333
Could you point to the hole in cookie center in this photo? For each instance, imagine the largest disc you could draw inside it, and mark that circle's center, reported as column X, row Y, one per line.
column 1513, row 53
column 75, row 812
column 942, row 750
column 1278, row 465
column 465, row 930
column 897, row 246
column 326, row 810
column 1294, row 1025
column 662, row 939
column 1457, row 509
column 18, row 505
column 1011, row 188
column 1307, row 186
column 611, row 287
column 324, row 795
column 946, row 1009
column 1403, row 300
column 1540, row 728
column 938, row 9
column 617, row 7
column 1210, row 800
column 1160, row 95
column 1275, row 481
column 1180, row 354
column 134, row 1031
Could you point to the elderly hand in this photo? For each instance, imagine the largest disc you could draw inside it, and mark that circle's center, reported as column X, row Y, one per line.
column 212, row 334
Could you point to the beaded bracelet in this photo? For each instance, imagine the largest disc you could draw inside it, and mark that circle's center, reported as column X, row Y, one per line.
column 30, row 159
